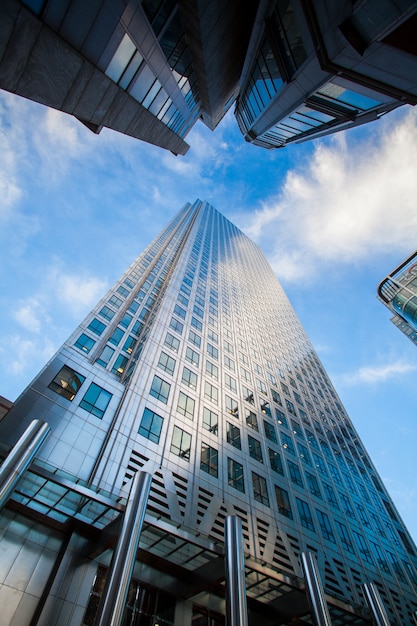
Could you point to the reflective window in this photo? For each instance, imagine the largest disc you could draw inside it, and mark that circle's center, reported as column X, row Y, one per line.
column 255, row 449
column 210, row 420
column 235, row 475
column 181, row 443
column 209, row 460
column 305, row 514
column 233, row 435
column 96, row 326
column 295, row 473
column 105, row 356
column 260, row 489
column 283, row 501
column 189, row 378
column 160, row 389
column 166, row 363
column 192, row 356
column 186, row 405
column 67, row 382
column 119, row 365
column 172, row 342
column 84, row 343
column 325, row 526
column 270, row 432
column 96, row 400
column 275, row 461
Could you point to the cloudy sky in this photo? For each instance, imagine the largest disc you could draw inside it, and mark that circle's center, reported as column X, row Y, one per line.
column 332, row 216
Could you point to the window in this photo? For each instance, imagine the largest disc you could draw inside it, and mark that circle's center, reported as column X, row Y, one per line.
column 115, row 301
column 344, row 536
column 166, row 363
column 213, row 336
column 210, row 420
column 261, row 386
column 281, row 419
column 186, row 405
column 313, row 484
column 346, row 505
column 192, row 356
column 287, row 443
column 290, row 407
column 119, row 365
column 229, row 363
column 181, row 443
column 251, row 419
column 189, row 378
column 230, row 383
column 67, row 382
column 194, row 338
column 196, row 323
column 105, row 356
column 96, row 400
column 116, row 336
column 211, row 392
column 233, row 435
column 295, row 473
column 231, row 406
column 325, row 526
column 255, row 449
column 176, row 325
column 305, row 514
column 275, row 461
column 270, row 432
column 283, row 501
column 260, row 489
column 304, row 454
column 107, row 313
column 209, row 460
column 129, row 344
column 151, row 425
column 362, row 547
column 235, row 475
column 96, row 326
column 160, row 389
column 319, row 463
column 212, row 351
column 84, row 343
column 172, row 342
column 212, row 370
column 178, row 310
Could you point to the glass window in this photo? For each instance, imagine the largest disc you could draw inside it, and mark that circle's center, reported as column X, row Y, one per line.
column 67, row 382
column 210, row 420
column 84, row 343
column 209, row 460
column 325, row 526
column 105, row 356
column 192, row 356
column 281, row 419
column 251, row 419
column 129, row 344
column 115, row 301
column 304, row 454
column 233, row 435
column 96, row 326
column 194, row 338
column 181, row 443
column 260, row 489
column 313, row 484
column 196, row 323
column 119, row 365
column 176, row 325
column 346, row 505
column 151, row 425
column 235, row 475
column 116, row 336
column 283, row 501
column 270, row 432
column 172, row 342
column 189, row 378
column 107, row 313
column 212, row 351
column 255, row 449
column 305, row 514
column 231, row 406
column 275, row 461
column 230, row 383
column 186, row 405
column 212, row 370
column 96, row 400
column 160, row 389
column 287, row 443
column 166, row 363
column 121, row 58
column 362, row 547
column 211, row 392
column 344, row 536
column 178, row 310
column 295, row 473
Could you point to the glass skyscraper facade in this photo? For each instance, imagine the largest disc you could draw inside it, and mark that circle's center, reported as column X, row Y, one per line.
column 195, row 368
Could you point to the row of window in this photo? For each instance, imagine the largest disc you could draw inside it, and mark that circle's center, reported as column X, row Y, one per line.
column 68, row 382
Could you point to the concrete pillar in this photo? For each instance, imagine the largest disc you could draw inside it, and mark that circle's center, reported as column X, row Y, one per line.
column 236, row 608
column 112, row 604
column 316, row 597
column 20, row 457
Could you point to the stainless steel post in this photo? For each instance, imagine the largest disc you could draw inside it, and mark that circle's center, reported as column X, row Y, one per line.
column 316, row 597
column 111, row 608
column 20, row 457
column 236, row 608
column 373, row 600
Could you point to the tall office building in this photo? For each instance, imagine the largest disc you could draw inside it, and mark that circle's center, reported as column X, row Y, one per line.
column 296, row 69
column 195, row 369
column 398, row 291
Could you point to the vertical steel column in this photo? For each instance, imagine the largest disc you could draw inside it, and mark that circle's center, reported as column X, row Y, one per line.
column 237, row 612
column 20, row 457
column 111, row 607
column 373, row 600
column 316, row 597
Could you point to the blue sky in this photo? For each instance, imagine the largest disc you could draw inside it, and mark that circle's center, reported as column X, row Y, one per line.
column 332, row 216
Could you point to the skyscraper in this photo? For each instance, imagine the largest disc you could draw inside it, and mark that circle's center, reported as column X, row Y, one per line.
column 295, row 69
column 195, row 369
column 398, row 291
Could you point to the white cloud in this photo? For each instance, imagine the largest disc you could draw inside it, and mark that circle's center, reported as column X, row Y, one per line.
column 29, row 315
column 379, row 373
column 29, row 354
column 79, row 293
column 347, row 203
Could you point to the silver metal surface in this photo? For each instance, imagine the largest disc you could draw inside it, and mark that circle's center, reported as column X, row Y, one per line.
column 20, row 457
column 237, row 613
column 317, row 600
column 373, row 600
column 111, row 608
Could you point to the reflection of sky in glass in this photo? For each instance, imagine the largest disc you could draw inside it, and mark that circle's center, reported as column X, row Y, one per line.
column 347, row 96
